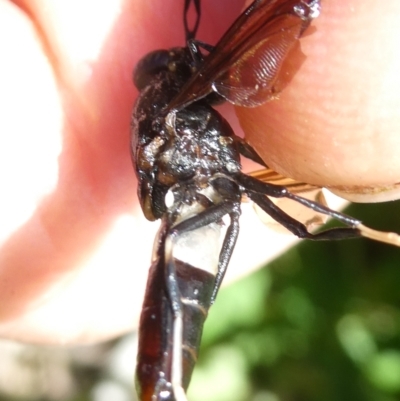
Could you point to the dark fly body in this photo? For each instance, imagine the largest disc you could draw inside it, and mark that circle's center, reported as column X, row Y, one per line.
column 187, row 160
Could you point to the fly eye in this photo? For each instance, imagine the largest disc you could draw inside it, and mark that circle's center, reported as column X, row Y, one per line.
column 149, row 66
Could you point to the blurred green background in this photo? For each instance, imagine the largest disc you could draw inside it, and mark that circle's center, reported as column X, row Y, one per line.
column 322, row 322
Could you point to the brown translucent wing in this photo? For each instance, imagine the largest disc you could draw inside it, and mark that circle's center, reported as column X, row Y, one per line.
column 308, row 217
column 258, row 74
column 253, row 48
column 272, row 177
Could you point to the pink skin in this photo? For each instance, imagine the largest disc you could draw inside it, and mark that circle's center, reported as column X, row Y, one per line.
column 75, row 247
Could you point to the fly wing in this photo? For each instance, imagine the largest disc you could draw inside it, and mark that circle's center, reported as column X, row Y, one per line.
column 246, row 62
column 311, row 219
column 261, row 72
column 294, row 186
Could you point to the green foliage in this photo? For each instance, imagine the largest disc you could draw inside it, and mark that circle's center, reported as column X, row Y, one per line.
column 320, row 323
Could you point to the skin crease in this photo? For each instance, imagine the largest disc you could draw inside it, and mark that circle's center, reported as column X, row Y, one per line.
column 68, row 100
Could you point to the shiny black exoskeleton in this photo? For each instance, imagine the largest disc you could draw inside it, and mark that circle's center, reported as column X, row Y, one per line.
column 190, row 156
column 187, row 160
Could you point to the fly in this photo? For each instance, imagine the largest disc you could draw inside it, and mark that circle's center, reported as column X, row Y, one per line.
column 187, row 160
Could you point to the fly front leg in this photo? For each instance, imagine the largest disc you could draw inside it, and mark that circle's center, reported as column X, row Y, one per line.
column 176, row 305
column 212, row 214
column 227, row 249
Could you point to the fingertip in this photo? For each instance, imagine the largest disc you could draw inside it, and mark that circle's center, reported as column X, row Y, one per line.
column 337, row 122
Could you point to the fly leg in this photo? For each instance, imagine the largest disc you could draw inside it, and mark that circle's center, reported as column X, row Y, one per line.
column 297, row 228
column 227, row 249
column 212, row 214
column 258, row 192
column 194, row 46
column 191, row 33
column 176, row 305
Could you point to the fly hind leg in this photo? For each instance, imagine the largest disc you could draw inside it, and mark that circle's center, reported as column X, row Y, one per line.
column 259, row 191
column 299, row 229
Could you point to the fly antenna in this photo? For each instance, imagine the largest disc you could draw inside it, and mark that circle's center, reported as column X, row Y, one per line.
column 191, row 33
